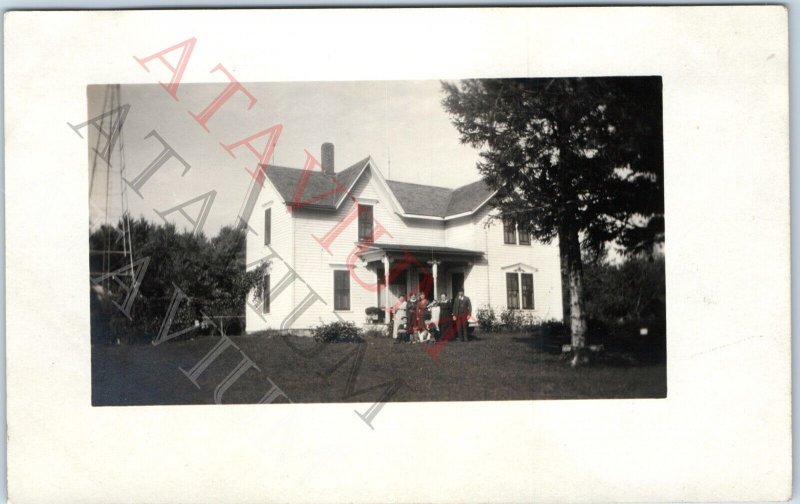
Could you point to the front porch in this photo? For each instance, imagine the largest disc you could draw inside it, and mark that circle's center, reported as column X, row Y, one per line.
column 414, row 269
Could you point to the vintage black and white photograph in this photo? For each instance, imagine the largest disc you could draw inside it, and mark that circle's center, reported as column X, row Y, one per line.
column 398, row 255
column 486, row 239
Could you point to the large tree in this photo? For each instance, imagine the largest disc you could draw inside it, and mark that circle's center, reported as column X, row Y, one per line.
column 579, row 160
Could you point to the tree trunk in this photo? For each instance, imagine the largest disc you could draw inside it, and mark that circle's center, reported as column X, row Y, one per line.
column 562, row 249
column 577, row 316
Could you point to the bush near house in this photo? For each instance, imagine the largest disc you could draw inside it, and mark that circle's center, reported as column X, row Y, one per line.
column 487, row 320
column 511, row 320
column 379, row 331
column 337, row 332
column 516, row 320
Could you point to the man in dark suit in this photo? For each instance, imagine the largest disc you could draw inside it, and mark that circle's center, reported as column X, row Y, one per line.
column 462, row 310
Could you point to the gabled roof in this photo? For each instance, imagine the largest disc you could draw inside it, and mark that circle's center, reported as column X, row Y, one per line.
column 419, row 199
column 321, row 191
column 467, row 197
column 415, row 200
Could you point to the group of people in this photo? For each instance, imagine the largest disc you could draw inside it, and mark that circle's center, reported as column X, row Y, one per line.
column 418, row 321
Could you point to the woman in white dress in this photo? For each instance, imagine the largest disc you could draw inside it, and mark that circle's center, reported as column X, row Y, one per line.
column 400, row 316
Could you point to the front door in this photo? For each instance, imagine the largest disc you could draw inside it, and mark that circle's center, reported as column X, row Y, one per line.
column 456, row 284
column 426, row 284
column 398, row 286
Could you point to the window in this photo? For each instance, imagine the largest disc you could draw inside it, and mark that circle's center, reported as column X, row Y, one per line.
column 512, row 291
column 267, row 226
column 365, row 223
column 527, row 291
column 265, row 295
column 509, row 232
column 341, row 290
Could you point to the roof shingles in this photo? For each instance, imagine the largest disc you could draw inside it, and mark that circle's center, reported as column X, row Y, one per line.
column 321, row 191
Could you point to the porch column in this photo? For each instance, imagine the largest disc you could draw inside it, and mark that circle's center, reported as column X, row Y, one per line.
column 435, row 270
column 386, row 286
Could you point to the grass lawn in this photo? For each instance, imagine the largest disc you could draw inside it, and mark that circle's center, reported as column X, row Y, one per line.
column 497, row 366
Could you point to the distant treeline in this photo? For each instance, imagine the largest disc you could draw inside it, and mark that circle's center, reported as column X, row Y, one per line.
column 209, row 271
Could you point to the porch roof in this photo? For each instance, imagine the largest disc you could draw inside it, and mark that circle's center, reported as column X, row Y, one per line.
column 422, row 253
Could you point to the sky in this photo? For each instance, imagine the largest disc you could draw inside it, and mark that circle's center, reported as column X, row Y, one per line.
column 401, row 124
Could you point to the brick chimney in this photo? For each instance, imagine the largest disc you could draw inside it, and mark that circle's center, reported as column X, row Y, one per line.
column 327, row 158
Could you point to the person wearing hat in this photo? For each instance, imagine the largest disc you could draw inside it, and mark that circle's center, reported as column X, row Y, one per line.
column 462, row 311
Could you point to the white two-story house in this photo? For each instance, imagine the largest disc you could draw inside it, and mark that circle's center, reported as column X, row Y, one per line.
column 330, row 237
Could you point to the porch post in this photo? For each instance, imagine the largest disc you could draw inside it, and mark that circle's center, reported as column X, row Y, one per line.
column 386, row 286
column 435, row 279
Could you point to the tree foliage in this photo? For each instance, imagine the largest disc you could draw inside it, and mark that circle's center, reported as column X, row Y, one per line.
column 628, row 291
column 587, row 150
column 579, row 159
column 210, row 272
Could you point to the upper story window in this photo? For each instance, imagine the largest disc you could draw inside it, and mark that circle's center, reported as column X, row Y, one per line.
column 509, row 232
column 365, row 223
column 267, row 226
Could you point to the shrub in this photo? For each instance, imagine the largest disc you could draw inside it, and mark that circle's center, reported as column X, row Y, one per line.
column 548, row 335
column 529, row 320
column 597, row 331
column 487, row 320
column 553, row 328
column 378, row 333
column 339, row 332
column 512, row 320
column 269, row 333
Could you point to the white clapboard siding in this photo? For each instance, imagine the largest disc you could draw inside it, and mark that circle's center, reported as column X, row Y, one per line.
column 296, row 238
column 279, row 253
column 538, row 258
column 316, row 264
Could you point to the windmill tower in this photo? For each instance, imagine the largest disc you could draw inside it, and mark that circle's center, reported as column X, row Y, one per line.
column 108, row 196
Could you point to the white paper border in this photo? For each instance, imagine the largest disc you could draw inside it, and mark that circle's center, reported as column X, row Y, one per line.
column 723, row 433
